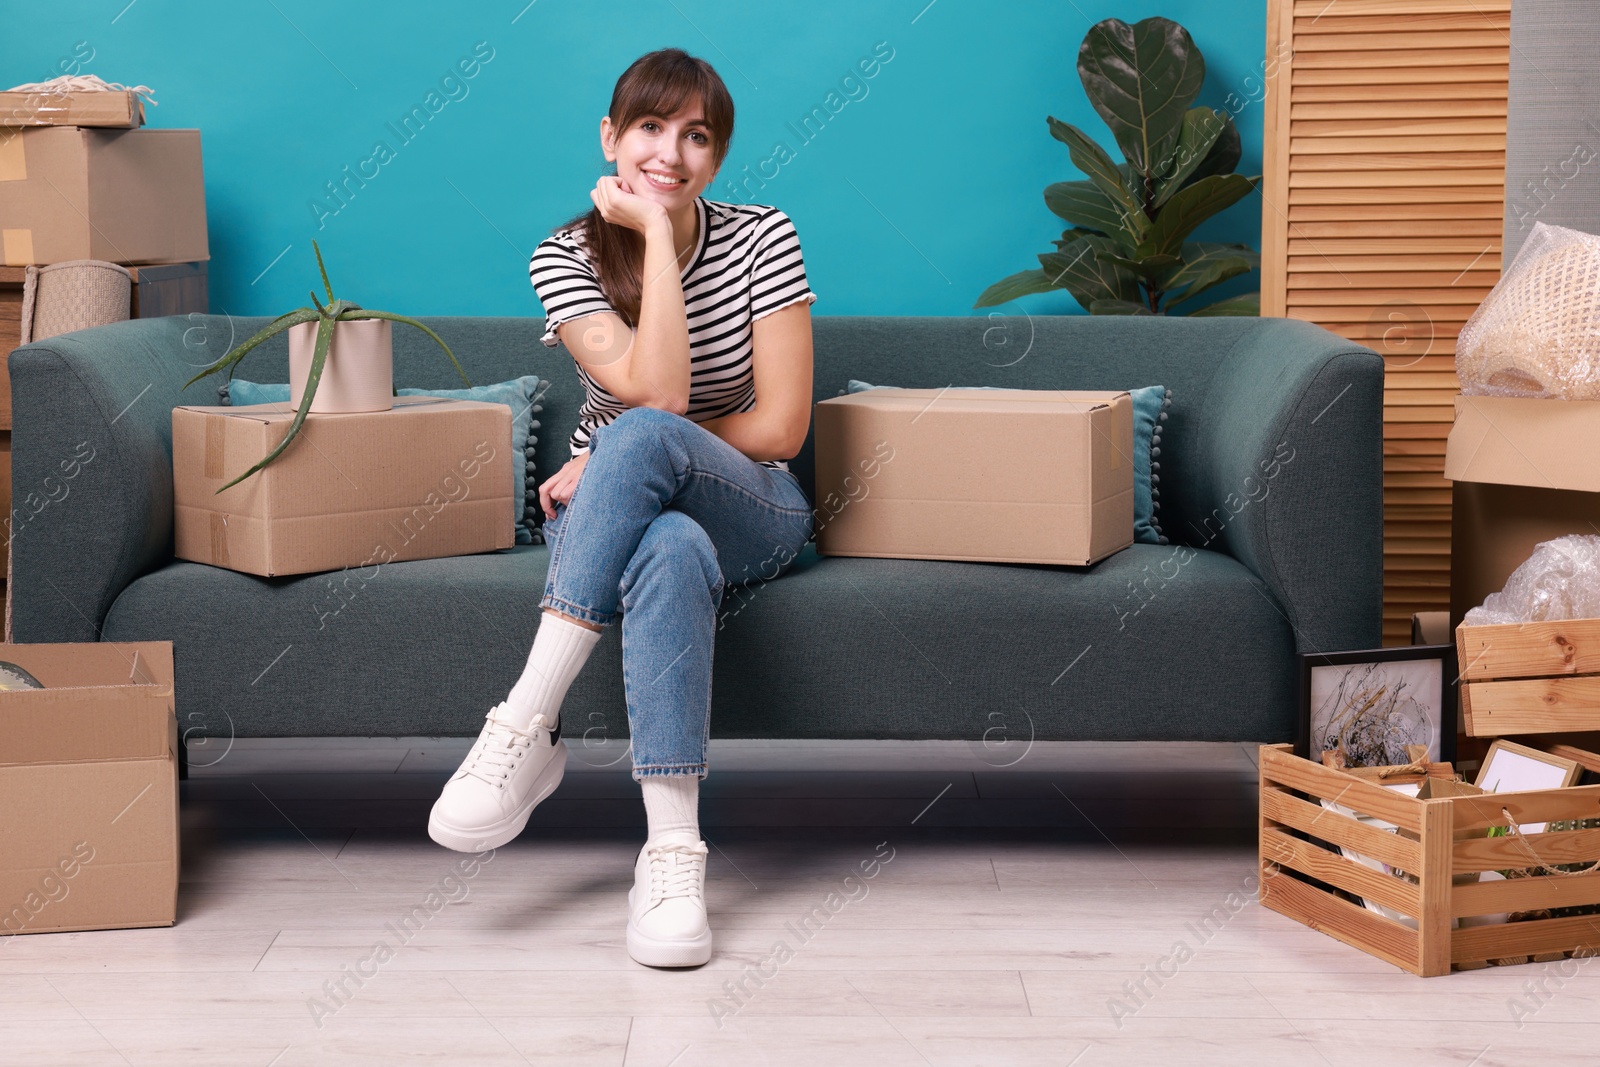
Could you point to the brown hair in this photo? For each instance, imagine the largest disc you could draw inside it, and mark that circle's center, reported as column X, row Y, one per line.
column 657, row 83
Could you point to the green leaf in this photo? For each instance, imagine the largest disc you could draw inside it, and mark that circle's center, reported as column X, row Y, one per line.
column 1223, row 157
column 1149, row 268
column 1086, row 205
column 1141, row 79
column 328, row 288
column 362, row 313
column 1080, row 269
column 1025, row 283
column 1189, row 207
column 276, row 326
column 1118, row 307
column 1243, row 304
column 1206, row 264
column 1093, row 161
column 1201, row 129
column 319, row 357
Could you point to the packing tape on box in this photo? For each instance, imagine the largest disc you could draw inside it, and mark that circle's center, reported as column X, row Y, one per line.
column 215, row 436
column 13, row 163
column 219, row 539
column 16, row 247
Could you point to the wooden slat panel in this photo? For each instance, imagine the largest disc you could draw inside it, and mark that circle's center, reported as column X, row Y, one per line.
column 1402, row 84
column 1529, row 650
column 1461, row 226
column 1482, row 44
column 1512, row 853
column 1318, row 8
column 1421, row 133
column 1374, row 298
column 1499, row 941
column 1423, row 63
column 1334, row 18
column 1437, row 209
column 1400, row 178
column 1398, row 281
column 1533, row 705
column 1401, row 96
column 1366, row 930
column 1388, row 112
column 1333, row 868
column 1385, row 158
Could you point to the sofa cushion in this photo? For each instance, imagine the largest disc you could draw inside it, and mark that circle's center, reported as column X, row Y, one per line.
column 1154, row 643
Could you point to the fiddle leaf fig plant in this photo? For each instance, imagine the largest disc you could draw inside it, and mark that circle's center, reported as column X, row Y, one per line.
column 325, row 316
column 1126, row 251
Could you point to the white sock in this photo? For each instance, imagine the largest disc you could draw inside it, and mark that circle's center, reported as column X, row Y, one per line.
column 671, row 802
column 560, row 648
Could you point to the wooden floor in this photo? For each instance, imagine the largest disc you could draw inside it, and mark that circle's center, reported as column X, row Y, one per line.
column 1082, row 904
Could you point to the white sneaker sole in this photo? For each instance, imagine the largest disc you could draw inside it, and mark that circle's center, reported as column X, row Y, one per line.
column 655, row 952
column 483, row 838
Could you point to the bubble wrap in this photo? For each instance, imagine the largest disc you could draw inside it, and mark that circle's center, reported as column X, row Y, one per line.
column 1561, row 580
column 1537, row 333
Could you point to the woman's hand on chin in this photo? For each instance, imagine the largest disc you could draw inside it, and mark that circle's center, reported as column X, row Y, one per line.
column 619, row 204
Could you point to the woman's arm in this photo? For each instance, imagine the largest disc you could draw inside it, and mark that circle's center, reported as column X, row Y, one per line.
column 776, row 427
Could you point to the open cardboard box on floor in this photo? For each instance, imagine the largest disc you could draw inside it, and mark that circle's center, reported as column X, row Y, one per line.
column 1524, row 472
column 430, row 477
column 88, row 787
column 1000, row 475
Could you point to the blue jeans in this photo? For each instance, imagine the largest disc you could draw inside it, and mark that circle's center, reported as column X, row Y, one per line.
column 666, row 514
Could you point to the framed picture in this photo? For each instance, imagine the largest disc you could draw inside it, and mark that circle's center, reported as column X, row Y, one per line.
column 1375, row 703
column 1512, row 768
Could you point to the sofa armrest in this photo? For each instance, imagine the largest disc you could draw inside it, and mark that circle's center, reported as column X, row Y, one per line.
column 91, row 455
column 1286, row 475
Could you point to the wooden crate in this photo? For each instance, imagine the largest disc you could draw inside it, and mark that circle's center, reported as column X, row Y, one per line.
column 1530, row 678
column 1436, row 840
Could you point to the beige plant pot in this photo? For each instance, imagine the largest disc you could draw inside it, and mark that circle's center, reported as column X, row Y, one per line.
column 358, row 374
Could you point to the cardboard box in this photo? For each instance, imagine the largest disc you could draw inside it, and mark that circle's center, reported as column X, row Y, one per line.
column 994, row 475
column 89, row 787
column 125, row 196
column 431, row 477
column 1524, row 472
column 113, row 107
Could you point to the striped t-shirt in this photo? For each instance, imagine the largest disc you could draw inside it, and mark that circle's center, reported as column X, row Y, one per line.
column 747, row 265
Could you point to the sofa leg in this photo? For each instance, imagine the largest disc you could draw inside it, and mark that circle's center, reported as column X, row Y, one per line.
column 183, row 758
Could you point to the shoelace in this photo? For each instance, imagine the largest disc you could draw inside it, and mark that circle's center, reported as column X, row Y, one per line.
column 492, row 758
column 674, row 871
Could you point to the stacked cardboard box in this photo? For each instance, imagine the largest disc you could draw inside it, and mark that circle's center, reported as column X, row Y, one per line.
column 73, row 186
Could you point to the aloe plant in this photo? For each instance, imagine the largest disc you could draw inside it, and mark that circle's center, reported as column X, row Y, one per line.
column 325, row 316
column 1126, row 252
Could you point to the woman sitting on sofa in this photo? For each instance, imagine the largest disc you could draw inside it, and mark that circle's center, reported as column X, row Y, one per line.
column 690, row 323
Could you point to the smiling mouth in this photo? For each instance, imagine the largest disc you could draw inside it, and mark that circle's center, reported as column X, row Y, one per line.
column 653, row 179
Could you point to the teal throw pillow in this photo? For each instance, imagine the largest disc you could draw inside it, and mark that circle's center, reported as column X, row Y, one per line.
column 521, row 395
column 1149, row 412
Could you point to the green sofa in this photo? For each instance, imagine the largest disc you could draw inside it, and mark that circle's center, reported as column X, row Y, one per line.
column 1270, row 486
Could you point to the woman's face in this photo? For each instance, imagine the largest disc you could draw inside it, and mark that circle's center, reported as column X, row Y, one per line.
column 661, row 147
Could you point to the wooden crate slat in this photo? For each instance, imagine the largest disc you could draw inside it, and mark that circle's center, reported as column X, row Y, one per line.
column 1322, row 911
column 1337, row 829
column 1281, row 768
column 1532, row 705
column 1529, row 650
column 1540, row 805
column 1508, row 853
column 1333, row 868
column 1477, row 943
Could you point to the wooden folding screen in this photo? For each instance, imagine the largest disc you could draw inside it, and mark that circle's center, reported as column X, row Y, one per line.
column 1384, row 164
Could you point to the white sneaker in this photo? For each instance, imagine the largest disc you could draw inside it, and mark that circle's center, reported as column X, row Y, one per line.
column 667, row 924
column 488, row 800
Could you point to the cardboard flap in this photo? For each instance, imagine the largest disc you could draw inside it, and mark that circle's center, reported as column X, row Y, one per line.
column 1547, row 444
column 87, row 723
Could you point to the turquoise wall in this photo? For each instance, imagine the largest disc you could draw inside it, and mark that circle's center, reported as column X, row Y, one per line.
column 923, row 189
